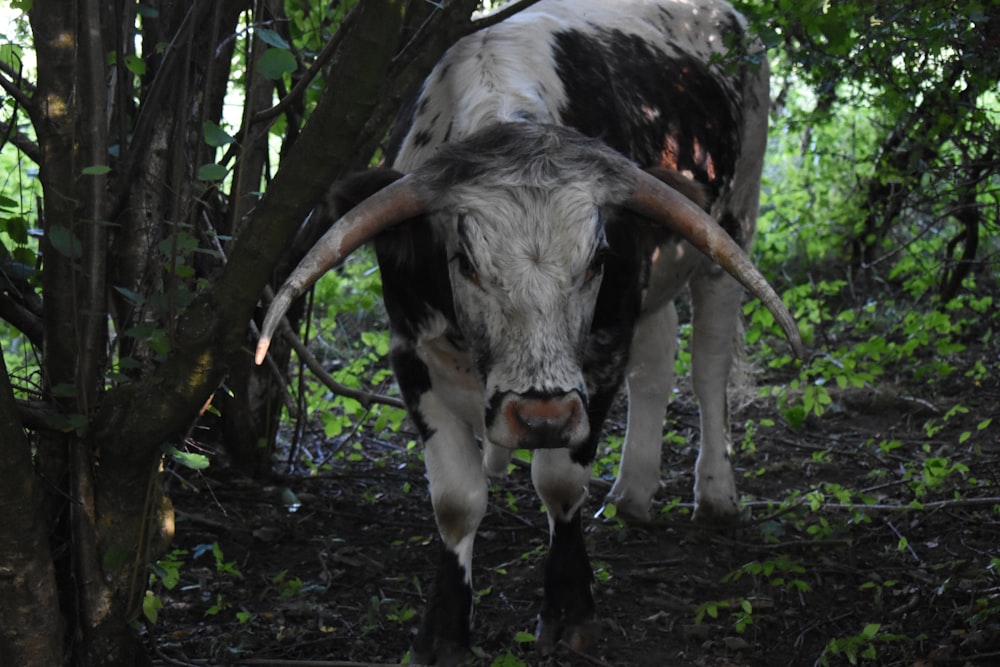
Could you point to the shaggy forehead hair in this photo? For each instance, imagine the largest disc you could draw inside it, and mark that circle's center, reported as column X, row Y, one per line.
column 528, row 240
column 523, row 155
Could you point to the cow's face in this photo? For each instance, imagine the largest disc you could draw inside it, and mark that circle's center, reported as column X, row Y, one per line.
column 525, row 267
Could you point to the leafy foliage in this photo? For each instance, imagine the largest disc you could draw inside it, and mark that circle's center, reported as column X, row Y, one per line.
column 878, row 225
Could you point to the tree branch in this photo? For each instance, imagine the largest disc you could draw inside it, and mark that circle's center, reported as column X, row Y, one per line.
column 303, row 83
column 364, row 398
column 21, row 141
column 20, row 96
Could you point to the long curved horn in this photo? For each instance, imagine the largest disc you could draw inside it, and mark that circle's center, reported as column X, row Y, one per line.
column 387, row 207
column 658, row 201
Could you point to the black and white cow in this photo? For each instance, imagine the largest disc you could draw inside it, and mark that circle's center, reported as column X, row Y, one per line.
column 531, row 254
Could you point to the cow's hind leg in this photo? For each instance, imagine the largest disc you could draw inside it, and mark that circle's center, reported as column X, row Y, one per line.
column 567, row 612
column 649, row 378
column 459, row 494
column 715, row 304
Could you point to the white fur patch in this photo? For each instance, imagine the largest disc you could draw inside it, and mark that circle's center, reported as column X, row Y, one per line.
column 531, row 306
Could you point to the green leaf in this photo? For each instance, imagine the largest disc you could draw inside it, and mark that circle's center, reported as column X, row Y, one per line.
column 151, row 606
column 132, row 297
column 212, row 172
column 11, row 54
column 189, row 459
column 871, row 630
column 272, row 38
column 96, row 170
column 507, row 660
column 135, row 65
column 215, row 136
column 275, row 63
column 65, row 243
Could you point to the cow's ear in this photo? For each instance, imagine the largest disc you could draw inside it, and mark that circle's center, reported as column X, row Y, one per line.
column 354, row 189
column 690, row 188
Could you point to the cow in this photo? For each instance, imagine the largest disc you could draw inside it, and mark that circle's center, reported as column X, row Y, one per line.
column 562, row 176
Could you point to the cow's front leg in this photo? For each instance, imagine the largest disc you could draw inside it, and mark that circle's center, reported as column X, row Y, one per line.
column 568, row 608
column 715, row 304
column 459, row 495
column 649, row 378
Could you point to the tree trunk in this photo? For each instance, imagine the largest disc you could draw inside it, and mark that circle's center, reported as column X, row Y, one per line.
column 251, row 409
column 103, row 517
column 30, row 634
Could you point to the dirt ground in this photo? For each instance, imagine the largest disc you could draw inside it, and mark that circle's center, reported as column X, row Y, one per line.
column 829, row 567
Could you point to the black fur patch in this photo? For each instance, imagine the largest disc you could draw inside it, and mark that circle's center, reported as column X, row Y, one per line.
column 667, row 110
column 414, row 381
column 568, row 576
column 729, row 223
column 446, row 617
column 524, row 154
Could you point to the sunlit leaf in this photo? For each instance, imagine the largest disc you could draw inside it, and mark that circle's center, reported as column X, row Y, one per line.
column 189, row 459
column 135, row 64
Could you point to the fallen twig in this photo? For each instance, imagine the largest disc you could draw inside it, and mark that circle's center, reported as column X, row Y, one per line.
column 279, row 662
column 887, row 507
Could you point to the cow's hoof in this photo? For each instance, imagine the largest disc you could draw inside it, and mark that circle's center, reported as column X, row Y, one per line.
column 629, row 506
column 579, row 637
column 725, row 513
column 440, row 652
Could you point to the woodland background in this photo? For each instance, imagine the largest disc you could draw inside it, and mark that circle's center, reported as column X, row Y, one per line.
column 159, row 158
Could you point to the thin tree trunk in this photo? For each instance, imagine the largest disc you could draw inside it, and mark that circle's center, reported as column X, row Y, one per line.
column 251, row 413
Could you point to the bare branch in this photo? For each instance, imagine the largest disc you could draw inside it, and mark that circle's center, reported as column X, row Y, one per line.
column 365, row 398
column 21, row 141
column 17, row 87
column 502, row 14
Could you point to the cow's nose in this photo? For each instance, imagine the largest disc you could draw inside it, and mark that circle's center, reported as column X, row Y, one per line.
column 546, row 421
column 547, row 416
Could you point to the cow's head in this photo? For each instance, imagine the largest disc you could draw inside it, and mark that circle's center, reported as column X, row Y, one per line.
column 521, row 210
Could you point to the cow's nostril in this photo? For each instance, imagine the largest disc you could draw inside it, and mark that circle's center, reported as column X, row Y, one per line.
column 546, row 421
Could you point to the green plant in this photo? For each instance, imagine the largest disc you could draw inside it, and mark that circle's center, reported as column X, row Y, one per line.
column 778, row 572
column 740, row 611
column 508, row 660
column 220, row 606
column 860, row 648
column 389, row 609
column 166, row 572
column 289, row 587
column 748, row 444
column 221, row 565
column 878, row 589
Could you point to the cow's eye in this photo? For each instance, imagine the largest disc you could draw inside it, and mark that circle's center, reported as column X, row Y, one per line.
column 466, row 268
column 596, row 265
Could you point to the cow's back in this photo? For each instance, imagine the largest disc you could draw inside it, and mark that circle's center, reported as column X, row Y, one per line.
column 651, row 79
